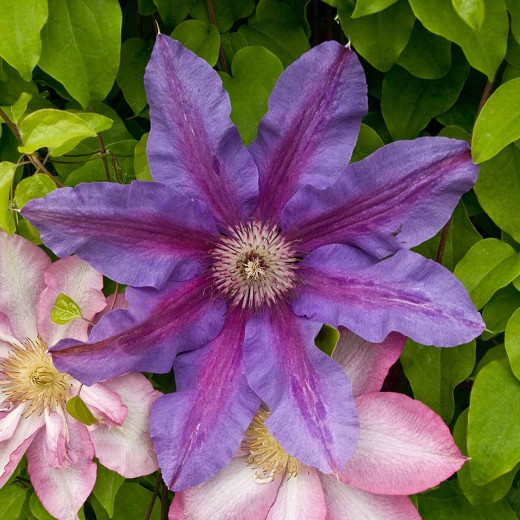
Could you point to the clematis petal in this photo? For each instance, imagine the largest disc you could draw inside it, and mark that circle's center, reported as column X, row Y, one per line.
column 9, row 422
column 197, row 430
column 405, row 293
column 22, row 265
column 63, row 491
column 12, row 450
column 193, row 145
column 309, row 395
column 232, row 494
column 367, row 364
column 128, row 448
column 105, row 404
column 394, row 199
column 300, row 497
column 311, row 127
column 138, row 235
column 348, row 503
column 403, row 448
column 83, row 284
column 147, row 336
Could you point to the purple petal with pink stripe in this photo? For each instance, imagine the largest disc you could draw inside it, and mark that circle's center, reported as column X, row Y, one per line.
column 309, row 395
column 396, row 198
column 311, row 127
column 147, row 336
column 405, row 293
column 193, row 144
column 197, row 429
column 139, row 235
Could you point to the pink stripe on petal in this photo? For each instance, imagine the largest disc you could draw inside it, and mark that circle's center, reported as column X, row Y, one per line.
column 403, row 448
column 105, row 404
column 232, row 494
column 367, row 364
column 348, row 503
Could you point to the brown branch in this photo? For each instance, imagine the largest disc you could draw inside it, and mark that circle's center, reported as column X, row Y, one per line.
column 154, row 496
column 164, row 503
column 103, row 151
column 11, row 126
column 213, row 19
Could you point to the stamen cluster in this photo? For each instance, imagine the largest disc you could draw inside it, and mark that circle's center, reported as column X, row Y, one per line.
column 253, row 265
column 265, row 454
column 29, row 376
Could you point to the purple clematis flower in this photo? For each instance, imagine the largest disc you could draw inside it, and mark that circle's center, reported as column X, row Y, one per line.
column 250, row 251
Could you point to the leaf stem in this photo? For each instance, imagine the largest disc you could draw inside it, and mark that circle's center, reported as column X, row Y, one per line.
column 154, row 496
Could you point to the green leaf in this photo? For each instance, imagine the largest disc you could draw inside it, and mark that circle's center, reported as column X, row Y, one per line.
column 58, row 130
column 488, row 266
column 499, row 309
column 173, row 12
column 365, row 7
column 13, row 86
column 141, row 166
column 28, row 231
column 478, row 495
column 65, row 310
column 498, row 123
column 33, row 187
column 16, row 111
column 255, row 71
column 455, row 132
column 485, row 49
column 80, row 411
column 227, row 12
column 434, row 373
column 278, row 28
column 20, row 26
column 513, row 6
column 231, row 44
column 447, row 502
column 426, row 56
column 7, row 171
column 132, row 501
column 106, row 487
column 37, row 509
column 200, row 37
column 135, row 54
column 496, row 353
column 493, row 425
column 408, row 103
column 81, row 47
column 497, row 190
column 512, row 342
column 367, row 143
column 11, row 501
column 380, row 37
column 462, row 235
column 327, row 339
column 471, row 11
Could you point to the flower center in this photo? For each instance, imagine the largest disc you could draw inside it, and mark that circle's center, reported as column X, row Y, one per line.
column 254, row 265
column 29, row 376
column 265, row 454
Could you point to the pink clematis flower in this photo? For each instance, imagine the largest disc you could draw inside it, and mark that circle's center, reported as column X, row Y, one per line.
column 33, row 393
column 403, row 448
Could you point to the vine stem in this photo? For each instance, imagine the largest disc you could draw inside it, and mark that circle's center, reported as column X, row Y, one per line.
column 103, row 151
column 213, row 19
column 446, row 229
column 154, row 496
column 33, row 157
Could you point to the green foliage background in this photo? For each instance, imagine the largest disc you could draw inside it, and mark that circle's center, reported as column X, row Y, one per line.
column 74, row 110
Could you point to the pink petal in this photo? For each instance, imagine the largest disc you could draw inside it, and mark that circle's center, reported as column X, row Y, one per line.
column 403, row 448
column 62, row 491
column 13, row 449
column 75, row 278
column 128, row 448
column 9, row 422
column 348, row 503
column 105, row 404
column 367, row 363
column 22, row 265
column 300, row 497
column 232, row 494
column 56, row 441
